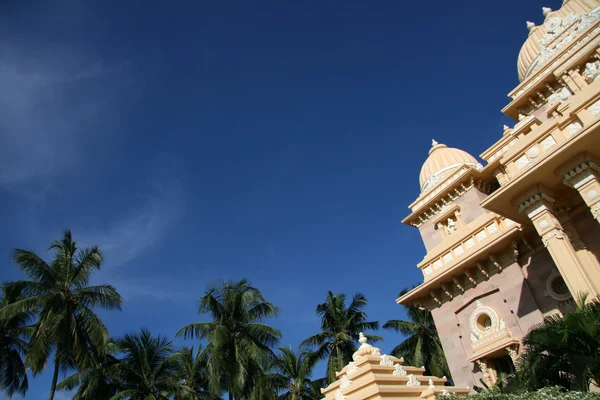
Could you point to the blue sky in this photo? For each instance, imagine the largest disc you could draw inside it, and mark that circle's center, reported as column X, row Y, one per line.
column 275, row 140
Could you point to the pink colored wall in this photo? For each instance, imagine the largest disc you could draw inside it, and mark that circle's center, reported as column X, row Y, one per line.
column 470, row 209
column 509, row 294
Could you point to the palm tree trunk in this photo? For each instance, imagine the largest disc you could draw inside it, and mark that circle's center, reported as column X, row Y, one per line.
column 230, row 396
column 54, row 379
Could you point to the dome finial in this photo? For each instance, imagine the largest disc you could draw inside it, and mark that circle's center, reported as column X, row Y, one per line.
column 530, row 25
column 546, row 11
column 362, row 339
column 434, row 142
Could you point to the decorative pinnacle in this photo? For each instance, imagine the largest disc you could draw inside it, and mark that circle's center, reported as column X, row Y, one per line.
column 434, row 142
column 530, row 25
column 546, row 11
column 362, row 339
column 506, row 127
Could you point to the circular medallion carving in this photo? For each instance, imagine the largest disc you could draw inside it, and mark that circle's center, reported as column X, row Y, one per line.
column 483, row 321
column 533, row 152
column 592, row 194
column 557, row 288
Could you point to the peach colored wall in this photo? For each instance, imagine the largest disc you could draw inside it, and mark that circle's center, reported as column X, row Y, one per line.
column 509, row 294
column 537, row 269
column 589, row 231
column 470, row 209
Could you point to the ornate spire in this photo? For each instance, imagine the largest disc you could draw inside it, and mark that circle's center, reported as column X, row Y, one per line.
column 434, row 143
column 362, row 339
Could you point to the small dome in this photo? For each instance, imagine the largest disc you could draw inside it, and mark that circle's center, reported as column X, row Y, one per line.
column 555, row 22
column 442, row 162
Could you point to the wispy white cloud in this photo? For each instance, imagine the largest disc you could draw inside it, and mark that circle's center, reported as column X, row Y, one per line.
column 142, row 225
column 47, row 100
column 150, row 289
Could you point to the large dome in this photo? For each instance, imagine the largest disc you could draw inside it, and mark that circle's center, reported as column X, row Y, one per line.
column 539, row 46
column 442, row 162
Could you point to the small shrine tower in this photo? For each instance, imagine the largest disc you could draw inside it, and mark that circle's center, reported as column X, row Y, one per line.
column 376, row 376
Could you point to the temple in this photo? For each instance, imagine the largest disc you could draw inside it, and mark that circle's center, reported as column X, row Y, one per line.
column 517, row 237
column 374, row 376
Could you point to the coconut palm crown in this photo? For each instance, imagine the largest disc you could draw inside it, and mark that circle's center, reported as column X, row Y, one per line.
column 340, row 328
column 59, row 293
column 239, row 342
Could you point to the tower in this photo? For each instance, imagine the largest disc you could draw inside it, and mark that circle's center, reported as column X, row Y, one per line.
column 518, row 239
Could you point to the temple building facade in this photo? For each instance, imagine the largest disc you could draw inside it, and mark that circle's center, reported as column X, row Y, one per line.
column 516, row 238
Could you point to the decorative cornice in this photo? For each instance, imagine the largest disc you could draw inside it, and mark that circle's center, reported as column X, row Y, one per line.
column 534, row 199
column 584, row 166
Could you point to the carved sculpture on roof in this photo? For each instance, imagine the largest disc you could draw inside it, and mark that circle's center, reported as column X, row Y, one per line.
column 351, row 368
column 386, row 361
column 592, row 71
column 399, row 370
column 451, row 227
column 345, row 382
column 413, row 381
column 559, row 96
column 555, row 27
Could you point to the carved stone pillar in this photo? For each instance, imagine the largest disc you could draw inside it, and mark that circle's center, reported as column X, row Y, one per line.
column 538, row 207
column 514, row 355
column 587, row 258
column 487, row 378
column 584, row 177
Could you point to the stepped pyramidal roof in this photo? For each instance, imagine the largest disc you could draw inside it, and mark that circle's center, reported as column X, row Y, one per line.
column 373, row 376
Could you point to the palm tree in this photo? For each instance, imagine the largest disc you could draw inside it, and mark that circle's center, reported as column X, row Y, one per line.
column 59, row 294
column 423, row 346
column 340, row 327
column 239, row 343
column 193, row 372
column 100, row 381
column 13, row 346
column 294, row 372
column 149, row 369
column 563, row 350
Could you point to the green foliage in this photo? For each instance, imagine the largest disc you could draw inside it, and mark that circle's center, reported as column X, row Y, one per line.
column 422, row 347
column 239, row 344
column 292, row 373
column 563, row 351
column 58, row 293
column 13, row 346
column 142, row 366
column 551, row 393
column 340, row 327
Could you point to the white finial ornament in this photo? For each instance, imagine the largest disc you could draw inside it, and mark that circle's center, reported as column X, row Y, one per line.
column 399, row 370
column 362, row 339
column 413, row 381
column 506, row 127
column 434, row 142
column 546, row 11
column 431, row 385
column 530, row 25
